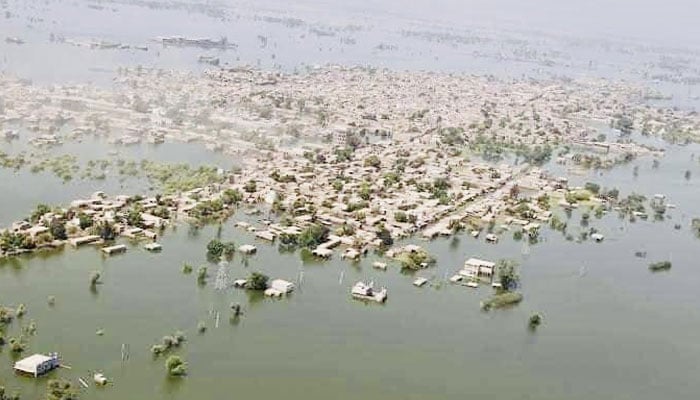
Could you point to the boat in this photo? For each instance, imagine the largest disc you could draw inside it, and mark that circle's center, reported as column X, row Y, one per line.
column 363, row 291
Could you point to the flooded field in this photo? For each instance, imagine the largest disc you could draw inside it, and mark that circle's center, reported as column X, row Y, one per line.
column 611, row 327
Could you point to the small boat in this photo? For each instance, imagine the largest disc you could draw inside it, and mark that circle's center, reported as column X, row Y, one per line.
column 473, row 284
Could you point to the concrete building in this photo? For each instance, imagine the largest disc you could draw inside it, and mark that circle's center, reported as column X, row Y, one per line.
column 37, row 364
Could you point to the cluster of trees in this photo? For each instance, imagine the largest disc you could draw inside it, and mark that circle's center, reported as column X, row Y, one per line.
column 257, row 281
column 278, row 177
column 4, row 395
column 452, row 136
column 231, row 196
column 210, row 210
column 168, row 342
column 344, row 155
column 313, row 235
column 384, row 235
column 251, row 186
column 61, row 389
column 217, row 249
column 175, row 366
column 373, row 161
column 415, row 260
column 507, row 275
column 535, row 155
column 695, row 226
column 11, row 241
column 660, row 266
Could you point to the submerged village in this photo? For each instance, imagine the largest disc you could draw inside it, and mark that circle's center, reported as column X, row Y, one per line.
column 339, row 162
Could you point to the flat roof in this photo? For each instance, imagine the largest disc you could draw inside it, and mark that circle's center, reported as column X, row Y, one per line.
column 30, row 364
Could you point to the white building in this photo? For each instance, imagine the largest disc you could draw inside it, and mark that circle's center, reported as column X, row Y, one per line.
column 340, row 138
column 282, row 286
column 37, row 364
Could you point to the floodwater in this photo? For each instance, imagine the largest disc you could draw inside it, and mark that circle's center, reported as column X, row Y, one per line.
column 607, row 319
column 611, row 328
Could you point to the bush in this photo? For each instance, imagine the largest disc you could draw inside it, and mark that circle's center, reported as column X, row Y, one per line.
column 17, row 345
column 401, row 216
column 251, row 186
column 21, row 310
column 231, row 196
column 85, row 221
column 257, row 281
column 534, row 321
column 592, row 187
column 384, row 235
column 507, row 275
column 415, row 260
column 8, row 396
column 175, row 366
column 202, row 275
column 95, row 278
column 105, row 230
column 58, row 229
column 660, row 266
column 373, row 161
column 217, row 249
column 501, row 300
column 313, row 236
column 60, row 389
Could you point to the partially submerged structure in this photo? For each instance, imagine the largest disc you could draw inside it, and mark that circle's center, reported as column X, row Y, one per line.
column 363, row 291
column 37, row 364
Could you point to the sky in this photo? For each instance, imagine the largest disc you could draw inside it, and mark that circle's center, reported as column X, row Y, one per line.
column 667, row 22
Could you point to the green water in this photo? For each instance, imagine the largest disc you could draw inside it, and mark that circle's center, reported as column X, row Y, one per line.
column 28, row 189
column 611, row 328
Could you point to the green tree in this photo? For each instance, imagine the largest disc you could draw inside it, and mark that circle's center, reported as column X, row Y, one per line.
column 251, row 186
column 401, row 216
column 257, row 281
column 232, row 196
column 202, row 275
column 61, row 389
column 384, row 235
column 215, row 248
column 4, row 395
column 133, row 217
column 175, row 366
column 95, row 278
column 58, row 229
column 507, row 275
column 105, row 230
column 592, row 187
column 313, row 235
column 373, row 161
column 85, row 221
column 40, row 210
